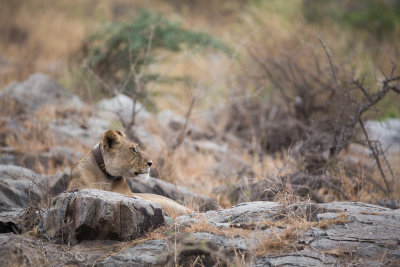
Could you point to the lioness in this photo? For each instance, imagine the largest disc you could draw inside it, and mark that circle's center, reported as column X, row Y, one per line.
column 109, row 162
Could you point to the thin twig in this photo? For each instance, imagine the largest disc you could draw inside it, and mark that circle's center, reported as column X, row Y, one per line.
column 181, row 136
column 328, row 54
column 376, row 157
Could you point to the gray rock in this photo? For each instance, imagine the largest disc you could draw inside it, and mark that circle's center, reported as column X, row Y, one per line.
column 68, row 129
column 210, row 147
column 21, row 251
column 387, row 132
column 58, row 182
column 152, row 143
column 95, row 214
column 304, row 258
column 57, row 156
column 19, row 186
column 18, row 250
column 88, row 252
column 230, row 167
column 37, row 91
column 120, row 108
column 370, row 232
column 19, row 221
column 7, row 159
column 9, row 221
column 148, row 253
column 245, row 213
column 177, row 193
column 168, row 119
column 354, row 233
column 206, row 248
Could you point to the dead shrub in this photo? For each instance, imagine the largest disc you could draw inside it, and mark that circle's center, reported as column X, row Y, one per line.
column 297, row 96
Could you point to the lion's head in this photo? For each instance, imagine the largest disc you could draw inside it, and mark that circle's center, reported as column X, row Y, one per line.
column 123, row 157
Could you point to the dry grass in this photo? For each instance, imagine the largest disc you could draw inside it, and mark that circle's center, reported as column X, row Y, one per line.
column 283, row 235
column 231, row 232
column 342, row 218
column 29, row 135
column 273, row 27
column 189, row 168
column 368, row 213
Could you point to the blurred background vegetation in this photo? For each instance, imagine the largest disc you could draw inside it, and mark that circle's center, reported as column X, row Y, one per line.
column 65, row 39
column 269, row 78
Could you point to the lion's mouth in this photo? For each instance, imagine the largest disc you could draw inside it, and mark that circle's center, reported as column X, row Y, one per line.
column 142, row 172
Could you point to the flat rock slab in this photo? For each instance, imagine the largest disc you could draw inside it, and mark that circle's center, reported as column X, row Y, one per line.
column 306, row 258
column 371, row 233
column 91, row 214
column 354, row 233
column 245, row 213
column 148, row 253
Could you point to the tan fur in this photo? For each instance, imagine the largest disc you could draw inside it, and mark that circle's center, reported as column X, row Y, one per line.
column 122, row 157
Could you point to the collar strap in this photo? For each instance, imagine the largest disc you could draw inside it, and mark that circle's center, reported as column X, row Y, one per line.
column 98, row 157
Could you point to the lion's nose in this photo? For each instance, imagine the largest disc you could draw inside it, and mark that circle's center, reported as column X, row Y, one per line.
column 149, row 163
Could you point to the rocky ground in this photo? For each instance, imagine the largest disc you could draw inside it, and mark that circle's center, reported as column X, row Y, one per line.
column 44, row 129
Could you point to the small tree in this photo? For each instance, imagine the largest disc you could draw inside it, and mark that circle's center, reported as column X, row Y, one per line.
column 118, row 54
column 120, row 50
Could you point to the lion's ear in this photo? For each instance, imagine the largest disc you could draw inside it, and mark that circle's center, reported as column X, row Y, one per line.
column 110, row 139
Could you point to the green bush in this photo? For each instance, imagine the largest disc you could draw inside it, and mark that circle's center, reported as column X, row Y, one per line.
column 377, row 17
column 114, row 49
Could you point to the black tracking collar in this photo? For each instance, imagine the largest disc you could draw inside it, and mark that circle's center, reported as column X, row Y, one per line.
column 98, row 157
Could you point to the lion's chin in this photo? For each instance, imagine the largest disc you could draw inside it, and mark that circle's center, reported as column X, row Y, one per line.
column 145, row 175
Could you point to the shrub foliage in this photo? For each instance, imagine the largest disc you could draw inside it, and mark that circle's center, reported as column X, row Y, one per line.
column 120, row 48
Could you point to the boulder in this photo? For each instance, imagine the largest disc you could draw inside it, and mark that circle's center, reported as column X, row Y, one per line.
column 120, row 107
column 91, row 214
column 208, row 146
column 86, row 134
column 169, row 120
column 56, row 157
column 18, row 250
column 9, row 221
column 207, row 248
column 37, row 91
column 19, row 187
column 58, row 182
column 151, row 143
column 230, row 167
column 387, row 132
column 177, row 193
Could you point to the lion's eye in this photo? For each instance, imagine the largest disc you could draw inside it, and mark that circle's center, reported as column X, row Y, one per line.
column 134, row 150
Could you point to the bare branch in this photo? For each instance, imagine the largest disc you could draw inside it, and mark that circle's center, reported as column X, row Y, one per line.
column 181, row 136
column 328, row 54
column 375, row 154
